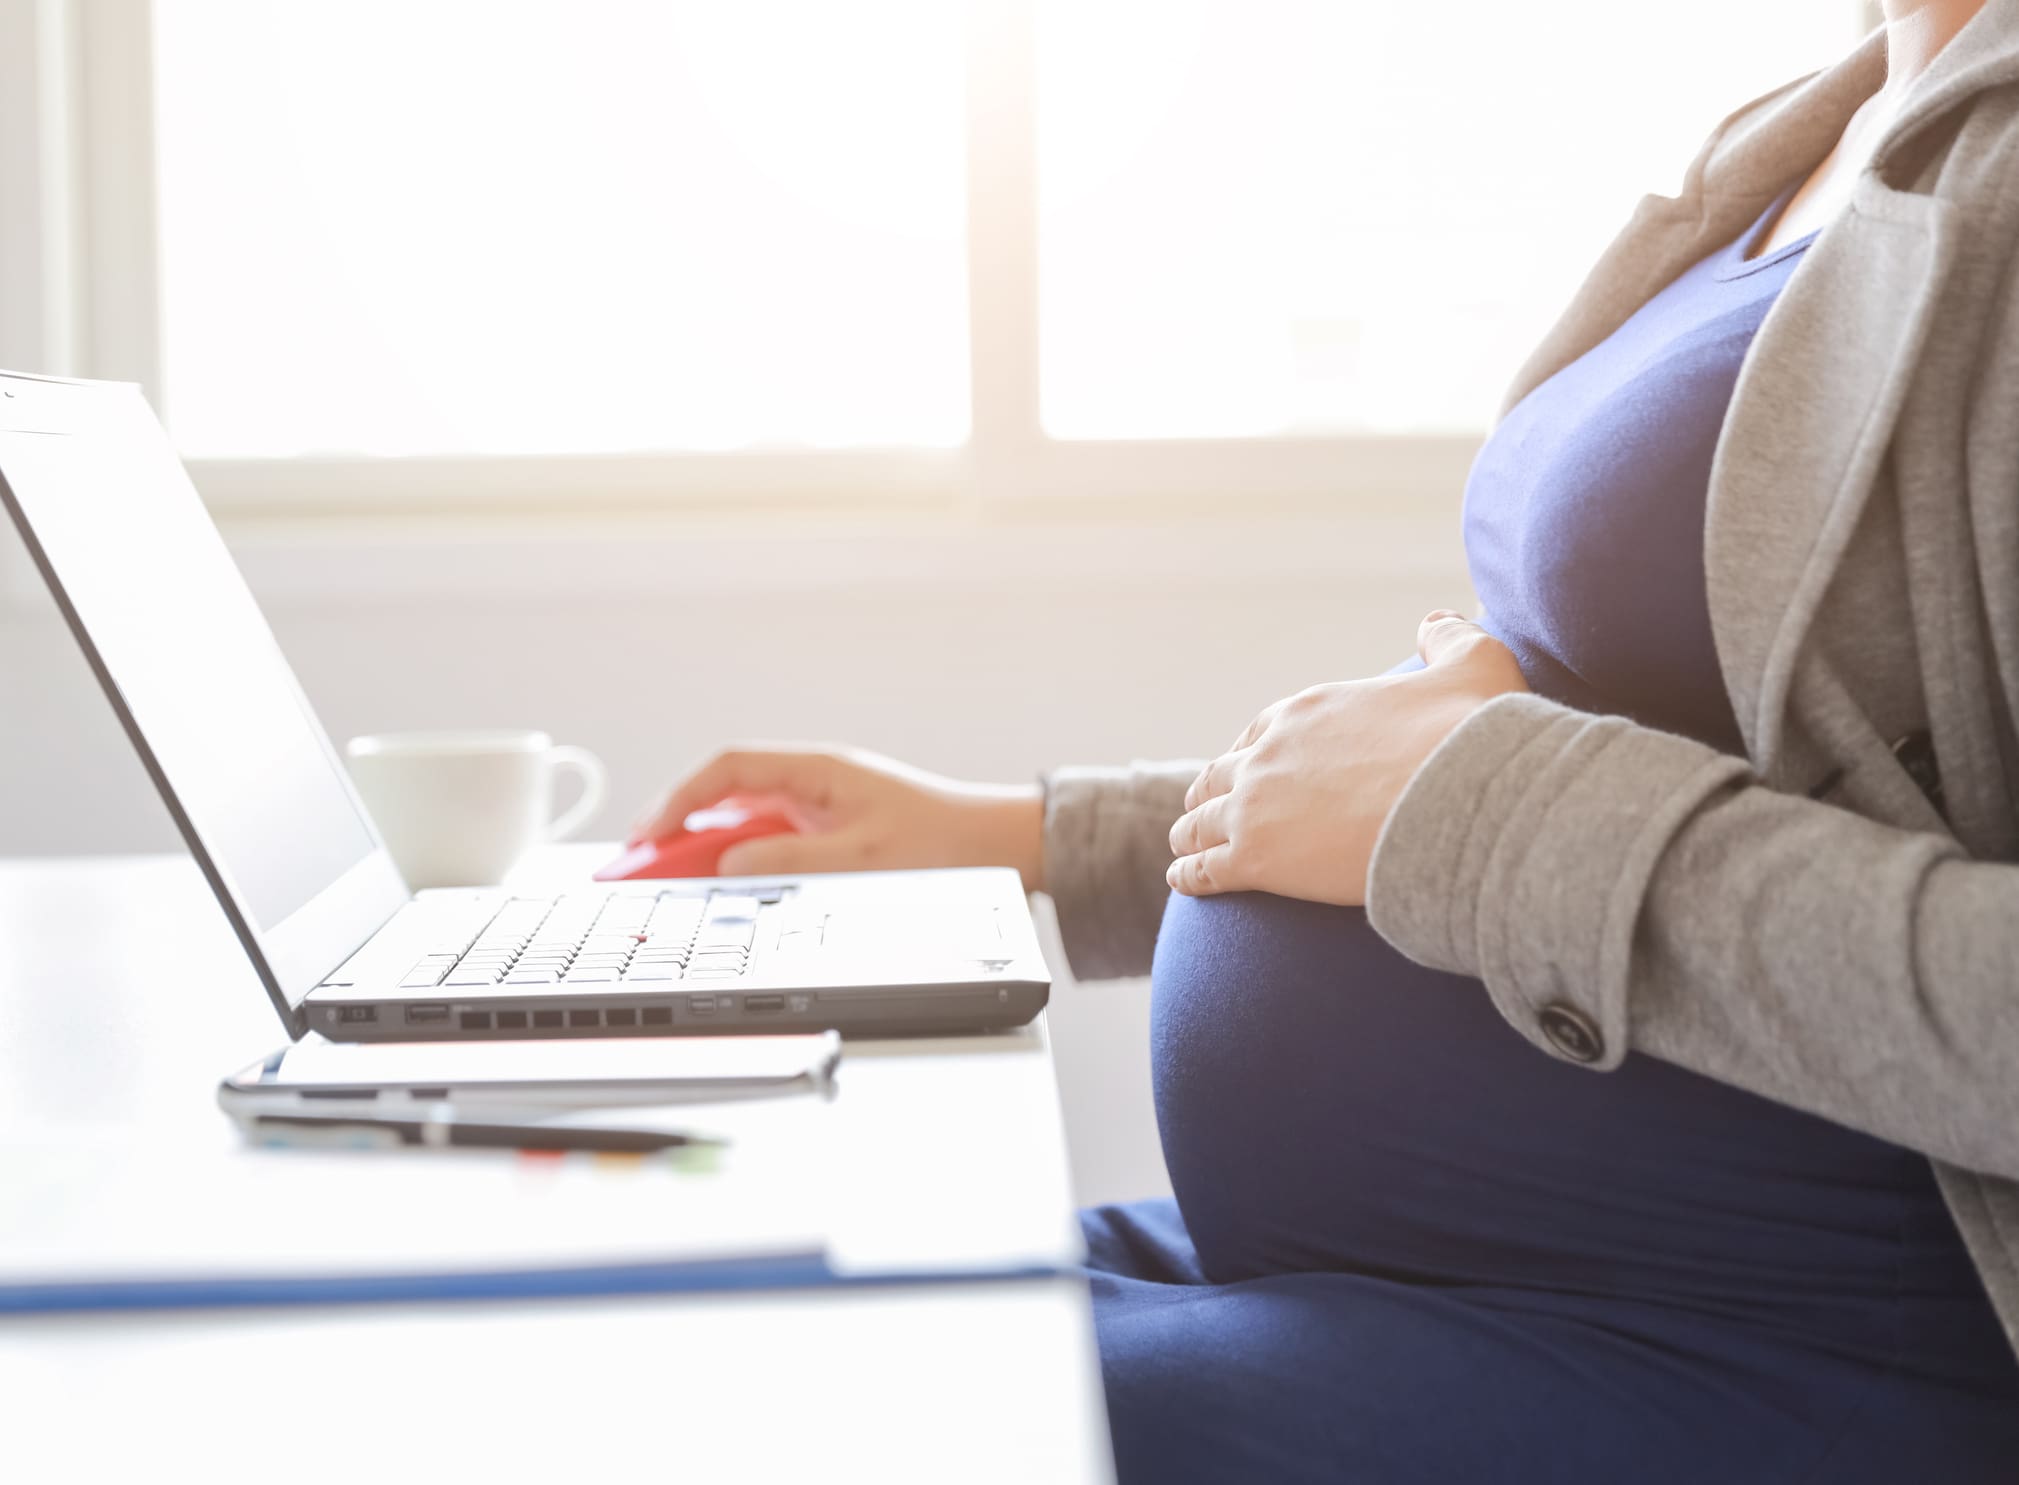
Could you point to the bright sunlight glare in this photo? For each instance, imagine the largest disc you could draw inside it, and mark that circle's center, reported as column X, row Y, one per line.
column 1320, row 216
column 500, row 227
column 492, row 226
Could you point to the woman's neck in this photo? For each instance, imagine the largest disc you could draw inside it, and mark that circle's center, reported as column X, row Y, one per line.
column 1916, row 30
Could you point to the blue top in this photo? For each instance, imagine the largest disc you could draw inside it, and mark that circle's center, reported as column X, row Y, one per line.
column 1584, row 515
column 1329, row 1109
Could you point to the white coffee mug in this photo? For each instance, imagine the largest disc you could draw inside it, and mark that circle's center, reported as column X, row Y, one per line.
column 458, row 809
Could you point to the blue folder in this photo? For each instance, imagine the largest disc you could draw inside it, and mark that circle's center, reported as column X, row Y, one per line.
column 713, row 1276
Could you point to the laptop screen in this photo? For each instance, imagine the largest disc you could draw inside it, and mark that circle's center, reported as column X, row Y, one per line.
column 187, row 657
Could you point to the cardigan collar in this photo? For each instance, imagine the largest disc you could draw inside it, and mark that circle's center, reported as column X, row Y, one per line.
column 1807, row 432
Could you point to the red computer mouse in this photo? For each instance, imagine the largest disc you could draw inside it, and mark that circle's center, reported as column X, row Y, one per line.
column 696, row 850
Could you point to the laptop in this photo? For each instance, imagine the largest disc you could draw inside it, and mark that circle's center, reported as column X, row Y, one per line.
column 190, row 666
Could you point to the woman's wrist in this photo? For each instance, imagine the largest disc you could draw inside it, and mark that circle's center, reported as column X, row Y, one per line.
column 1014, row 830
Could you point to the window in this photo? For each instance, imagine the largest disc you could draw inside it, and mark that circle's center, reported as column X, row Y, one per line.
column 466, row 226
column 1265, row 217
column 422, row 250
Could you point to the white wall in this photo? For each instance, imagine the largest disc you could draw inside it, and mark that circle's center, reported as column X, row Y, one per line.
column 1080, row 643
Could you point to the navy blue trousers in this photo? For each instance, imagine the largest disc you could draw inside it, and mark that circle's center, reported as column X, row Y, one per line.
column 1407, row 1246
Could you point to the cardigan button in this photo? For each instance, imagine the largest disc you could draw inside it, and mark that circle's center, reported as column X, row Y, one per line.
column 1572, row 1032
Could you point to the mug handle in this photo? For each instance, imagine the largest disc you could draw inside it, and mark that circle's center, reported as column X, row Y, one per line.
column 595, row 784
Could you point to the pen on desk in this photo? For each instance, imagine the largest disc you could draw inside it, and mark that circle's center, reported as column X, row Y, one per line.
column 469, row 1133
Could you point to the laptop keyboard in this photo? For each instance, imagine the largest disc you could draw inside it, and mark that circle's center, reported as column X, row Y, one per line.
column 630, row 938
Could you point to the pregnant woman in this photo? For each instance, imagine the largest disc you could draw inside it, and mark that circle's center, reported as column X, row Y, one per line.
column 1590, row 1052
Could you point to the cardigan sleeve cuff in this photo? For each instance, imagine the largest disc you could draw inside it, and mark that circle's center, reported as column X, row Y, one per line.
column 1520, row 853
column 1107, row 844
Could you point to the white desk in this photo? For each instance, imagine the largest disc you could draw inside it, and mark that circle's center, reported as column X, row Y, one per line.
column 973, row 1382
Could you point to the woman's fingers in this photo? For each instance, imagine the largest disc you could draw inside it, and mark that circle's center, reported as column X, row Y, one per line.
column 776, row 855
column 1197, row 793
column 1201, row 827
column 1451, row 642
column 805, row 774
column 1205, row 873
column 1215, row 779
column 1257, row 727
column 1443, row 633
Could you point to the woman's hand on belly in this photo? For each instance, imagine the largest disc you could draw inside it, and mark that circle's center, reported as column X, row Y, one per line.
column 1295, row 805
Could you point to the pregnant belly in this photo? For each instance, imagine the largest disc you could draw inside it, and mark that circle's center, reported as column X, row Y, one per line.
column 1325, row 1104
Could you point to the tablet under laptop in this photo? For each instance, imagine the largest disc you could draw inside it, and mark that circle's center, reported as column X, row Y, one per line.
column 189, row 665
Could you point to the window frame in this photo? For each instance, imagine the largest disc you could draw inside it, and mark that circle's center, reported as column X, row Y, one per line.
column 89, row 306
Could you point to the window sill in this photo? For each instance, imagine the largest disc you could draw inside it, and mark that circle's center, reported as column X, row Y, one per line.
column 292, row 563
column 1393, row 516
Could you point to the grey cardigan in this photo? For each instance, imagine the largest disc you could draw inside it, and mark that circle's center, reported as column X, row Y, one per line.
column 1818, row 922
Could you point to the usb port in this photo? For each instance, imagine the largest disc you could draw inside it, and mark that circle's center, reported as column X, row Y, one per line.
column 422, row 1015
column 758, row 1004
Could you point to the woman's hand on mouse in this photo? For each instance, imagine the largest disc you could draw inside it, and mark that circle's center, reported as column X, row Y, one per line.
column 1295, row 806
column 864, row 812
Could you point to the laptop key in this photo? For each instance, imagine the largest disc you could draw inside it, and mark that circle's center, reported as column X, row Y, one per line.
column 653, row 972
column 718, row 961
column 532, row 977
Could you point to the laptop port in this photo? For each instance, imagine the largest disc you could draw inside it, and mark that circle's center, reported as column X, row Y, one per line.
column 428, row 1014
column 657, row 1015
column 621, row 1017
column 585, row 1018
column 511, row 1020
column 474, row 1020
column 351, row 1015
column 546, row 1018
column 763, row 1004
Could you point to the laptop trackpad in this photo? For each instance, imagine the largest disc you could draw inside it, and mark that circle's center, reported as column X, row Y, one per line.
column 912, row 930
